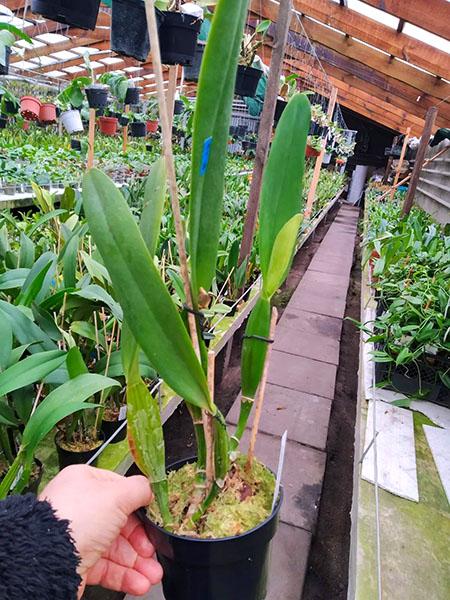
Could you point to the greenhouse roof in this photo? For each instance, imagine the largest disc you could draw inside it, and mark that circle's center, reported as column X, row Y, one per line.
column 389, row 59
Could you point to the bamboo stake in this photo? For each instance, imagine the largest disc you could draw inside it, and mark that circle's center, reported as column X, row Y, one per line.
column 90, row 161
column 97, row 342
column 209, row 427
column 261, row 390
column 108, row 358
column 170, row 167
column 125, row 131
column 400, row 162
column 319, row 160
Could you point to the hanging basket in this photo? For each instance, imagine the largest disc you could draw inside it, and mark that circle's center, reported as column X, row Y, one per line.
column 47, row 114
column 132, row 96
column 71, row 120
column 78, row 13
column 137, row 129
column 310, row 151
column 3, row 122
column 11, row 108
column 178, row 107
column 247, row 79
column 152, row 126
column 97, row 97
column 192, row 72
column 30, row 107
column 178, row 36
column 129, row 35
column 279, row 109
column 4, row 69
column 108, row 125
column 124, row 120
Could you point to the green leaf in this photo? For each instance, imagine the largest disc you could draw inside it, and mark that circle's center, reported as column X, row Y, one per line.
column 115, row 368
column 6, row 415
column 70, row 262
column 95, row 269
column 154, row 196
column 45, row 218
column 26, row 255
column 24, row 330
column 211, row 122
column 254, row 350
column 29, row 370
column 34, row 287
column 48, row 258
column 282, row 254
column 87, row 331
column 13, row 278
column 147, row 305
column 98, row 294
column 6, row 342
column 403, row 356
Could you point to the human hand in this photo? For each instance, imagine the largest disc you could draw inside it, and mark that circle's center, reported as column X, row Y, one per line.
column 114, row 549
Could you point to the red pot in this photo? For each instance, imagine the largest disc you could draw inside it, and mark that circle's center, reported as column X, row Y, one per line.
column 152, row 126
column 25, row 125
column 108, row 125
column 30, row 107
column 47, row 113
column 311, row 152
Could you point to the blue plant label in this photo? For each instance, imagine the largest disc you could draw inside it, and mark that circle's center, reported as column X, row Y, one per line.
column 205, row 155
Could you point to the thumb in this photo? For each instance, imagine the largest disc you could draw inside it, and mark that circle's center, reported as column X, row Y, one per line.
column 133, row 493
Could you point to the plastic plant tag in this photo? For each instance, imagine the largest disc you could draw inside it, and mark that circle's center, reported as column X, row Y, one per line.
column 205, row 155
column 280, row 469
column 122, row 413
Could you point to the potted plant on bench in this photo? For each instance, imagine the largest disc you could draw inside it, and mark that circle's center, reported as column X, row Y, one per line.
column 248, row 77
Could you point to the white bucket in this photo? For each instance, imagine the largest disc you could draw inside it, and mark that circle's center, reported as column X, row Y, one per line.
column 71, row 119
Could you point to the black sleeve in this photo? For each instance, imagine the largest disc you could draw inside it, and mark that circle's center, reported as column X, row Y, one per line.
column 38, row 558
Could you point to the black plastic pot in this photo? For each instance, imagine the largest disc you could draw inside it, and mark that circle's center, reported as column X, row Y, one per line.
column 3, row 122
column 124, row 120
column 148, row 147
column 279, row 108
column 75, row 144
column 247, row 79
column 233, row 568
column 11, row 108
column 4, row 69
column 178, row 36
column 178, row 107
column 192, row 72
column 82, row 13
column 99, row 112
column 132, row 96
column 109, row 428
column 66, row 457
column 138, row 129
column 129, row 35
column 33, row 486
column 114, row 115
column 97, row 97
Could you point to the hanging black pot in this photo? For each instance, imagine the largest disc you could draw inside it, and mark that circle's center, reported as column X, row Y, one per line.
column 279, row 108
column 192, row 72
column 67, row 457
column 82, row 13
column 109, row 428
column 138, row 129
column 75, row 144
column 3, row 122
column 114, row 115
column 233, row 568
column 4, row 69
column 178, row 38
column 129, row 34
column 11, row 108
column 247, row 79
column 178, row 107
column 124, row 120
column 97, row 97
column 132, row 96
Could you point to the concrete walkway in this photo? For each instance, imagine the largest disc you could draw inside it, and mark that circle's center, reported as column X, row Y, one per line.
column 298, row 398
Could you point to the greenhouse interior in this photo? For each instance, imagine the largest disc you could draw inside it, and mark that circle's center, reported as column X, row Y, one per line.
column 224, row 299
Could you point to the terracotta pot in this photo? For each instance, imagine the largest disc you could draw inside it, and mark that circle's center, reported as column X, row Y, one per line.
column 152, row 126
column 25, row 125
column 311, row 152
column 108, row 125
column 47, row 113
column 30, row 107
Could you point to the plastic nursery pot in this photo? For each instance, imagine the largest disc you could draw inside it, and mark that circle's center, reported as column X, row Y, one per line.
column 137, row 129
column 11, row 108
column 233, row 568
column 124, row 120
column 178, row 107
column 82, row 13
column 33, row 484
column 108, row 125
column 3, row 122
column 279, row 108
column 47, row 114
column 109, row 428
column 4, row 69
column 25, row 125
column 114, row 115
column 30, row 107
column 152, row 126
column 97, row 97
column 192, row 72
column 75, row 144
column 310, row 151
column 129, row 35
column 67, row 457
column 178, row 38
column 132, row 96
column 71, row 120
column 247, row 79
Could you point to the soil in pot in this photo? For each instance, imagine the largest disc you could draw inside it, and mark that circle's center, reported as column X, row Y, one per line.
column 132, row 96
column 30, row 108
column 247, row 79
column 110, row 424
column 108, row 125
column 82, row 13
column 228, row 558
column 97, row 97
column 192, row 72
column 4, row 69
column 77, row 453
column 137, row 129
column 178, row 36
column 129, row 35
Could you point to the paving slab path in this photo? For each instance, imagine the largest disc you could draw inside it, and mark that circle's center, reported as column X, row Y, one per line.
column 298, row 398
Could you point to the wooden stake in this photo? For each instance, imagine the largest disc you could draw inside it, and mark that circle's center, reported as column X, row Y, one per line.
column 400, row 162
column 319, row 160
column 170, row 166
column 208, row 426
column 418, row 163
column 125, row 130
column 90, row 161
column 260, row 396
column 266, row 125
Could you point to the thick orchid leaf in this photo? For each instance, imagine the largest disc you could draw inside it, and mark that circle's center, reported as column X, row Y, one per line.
column 30, row 370
column 155, row 194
